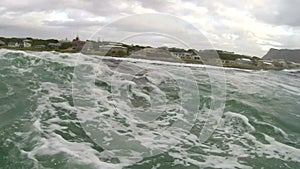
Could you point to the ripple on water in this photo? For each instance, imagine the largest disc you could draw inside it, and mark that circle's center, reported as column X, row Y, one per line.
column 3, row 90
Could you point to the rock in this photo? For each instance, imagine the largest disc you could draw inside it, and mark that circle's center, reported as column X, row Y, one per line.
column 286, row 54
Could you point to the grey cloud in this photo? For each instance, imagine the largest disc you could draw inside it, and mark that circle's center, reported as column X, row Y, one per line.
column 103, row 8
column 78, row 11
column 280, row 12
column 165, row 26
column 70, row 24
column 29, row 6
column 158, row 5
column 32, row 31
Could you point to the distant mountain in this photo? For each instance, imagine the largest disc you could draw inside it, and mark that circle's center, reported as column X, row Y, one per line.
column 286, row 54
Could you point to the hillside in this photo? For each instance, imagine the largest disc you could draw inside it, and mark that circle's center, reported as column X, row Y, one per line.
column 286, row 54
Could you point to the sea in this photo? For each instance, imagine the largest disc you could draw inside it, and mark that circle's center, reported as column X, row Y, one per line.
column 73, row 111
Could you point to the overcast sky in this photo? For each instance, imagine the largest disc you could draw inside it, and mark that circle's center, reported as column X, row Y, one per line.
column 244, row 26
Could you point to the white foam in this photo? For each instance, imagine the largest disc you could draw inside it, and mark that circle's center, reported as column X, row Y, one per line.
column 275, row 149
column 81, row 152
column 37, row 125
column 242, row 117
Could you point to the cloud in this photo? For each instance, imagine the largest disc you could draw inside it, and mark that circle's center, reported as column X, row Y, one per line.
column 70, row 24
column 279, row 12
column 165, row 26
column 247, row 26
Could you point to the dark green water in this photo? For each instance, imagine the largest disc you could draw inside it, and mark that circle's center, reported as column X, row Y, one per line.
column 129, row 114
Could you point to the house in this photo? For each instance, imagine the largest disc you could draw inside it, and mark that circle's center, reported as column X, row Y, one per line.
column 2, row 43
column 227, row 62
column 182, row 55
column 26, row 43
column 196, row 57
column 244, row 61
column 269, row 64
column 54, row 45
column 13, row 44
column 280, row 63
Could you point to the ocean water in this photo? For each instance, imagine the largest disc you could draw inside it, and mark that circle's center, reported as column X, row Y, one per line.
column 77, row 111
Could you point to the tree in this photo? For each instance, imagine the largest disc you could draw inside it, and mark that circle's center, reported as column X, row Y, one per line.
column 66, row 45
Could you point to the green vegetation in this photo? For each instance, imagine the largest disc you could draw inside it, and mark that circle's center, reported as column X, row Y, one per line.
column 66, row 45
column 6, row 40
column 116, row 54
column 134, row 48
column 192, row 61
column 256, row 58
column 192, row 51
column 34, row 41
column 43, row 42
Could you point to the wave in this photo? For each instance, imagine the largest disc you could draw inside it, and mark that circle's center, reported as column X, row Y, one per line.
column 142, row 113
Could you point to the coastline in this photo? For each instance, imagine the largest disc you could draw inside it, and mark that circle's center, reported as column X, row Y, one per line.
column 156, row 61
column 210, row 57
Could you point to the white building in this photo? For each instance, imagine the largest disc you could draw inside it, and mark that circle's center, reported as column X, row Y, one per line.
column 2, row 43
column 13, row 44
column 27, row 43
column 244, row 61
